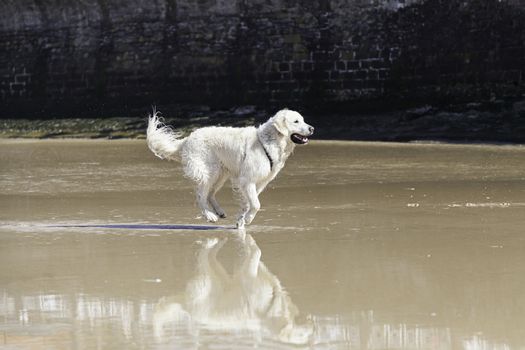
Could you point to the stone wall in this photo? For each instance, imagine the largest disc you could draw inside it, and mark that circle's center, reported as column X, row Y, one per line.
column 102, row 57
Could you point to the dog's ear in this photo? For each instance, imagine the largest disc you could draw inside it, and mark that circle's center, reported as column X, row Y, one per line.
column 279, row 123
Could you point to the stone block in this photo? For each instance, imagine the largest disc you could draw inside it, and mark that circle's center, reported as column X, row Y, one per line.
column 284, row 67
column 220, row 48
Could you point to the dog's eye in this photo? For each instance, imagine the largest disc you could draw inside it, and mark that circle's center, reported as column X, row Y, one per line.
column 296, row 121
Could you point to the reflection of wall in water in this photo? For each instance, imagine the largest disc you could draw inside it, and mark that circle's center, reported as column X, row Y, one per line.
column 133, row 320
column 401, row 270
column 362, row 332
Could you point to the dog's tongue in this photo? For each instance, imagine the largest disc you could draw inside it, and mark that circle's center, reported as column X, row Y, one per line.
column 299, row 139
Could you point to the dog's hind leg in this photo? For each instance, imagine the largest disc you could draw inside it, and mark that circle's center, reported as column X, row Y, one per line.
column 203, row 192
column 205, row 174
column 215, row 188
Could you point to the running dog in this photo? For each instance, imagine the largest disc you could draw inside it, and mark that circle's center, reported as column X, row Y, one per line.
column 250, row 157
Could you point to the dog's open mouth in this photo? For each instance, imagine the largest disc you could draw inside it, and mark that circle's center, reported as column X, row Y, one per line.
column 299, row 139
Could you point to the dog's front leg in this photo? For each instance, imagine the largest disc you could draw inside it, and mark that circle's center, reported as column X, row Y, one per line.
column 253, row 199
column 250, row 204
column 262, row 184
column 245, row 207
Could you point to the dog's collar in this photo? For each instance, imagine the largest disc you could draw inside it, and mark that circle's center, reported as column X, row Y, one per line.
column 269, row 158
column 266, row 152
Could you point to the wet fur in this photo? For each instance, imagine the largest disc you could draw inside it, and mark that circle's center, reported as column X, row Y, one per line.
column 212, row 155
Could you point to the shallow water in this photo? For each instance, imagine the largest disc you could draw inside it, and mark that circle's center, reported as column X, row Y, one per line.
column 358, row 246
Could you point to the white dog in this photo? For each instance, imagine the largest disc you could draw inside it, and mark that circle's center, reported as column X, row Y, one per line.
column 250, row 157
column 251, row 298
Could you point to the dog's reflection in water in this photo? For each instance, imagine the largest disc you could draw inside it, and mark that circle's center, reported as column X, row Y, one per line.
column 250, row 299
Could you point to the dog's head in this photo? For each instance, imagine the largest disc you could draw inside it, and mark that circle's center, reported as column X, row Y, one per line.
column 291, row 124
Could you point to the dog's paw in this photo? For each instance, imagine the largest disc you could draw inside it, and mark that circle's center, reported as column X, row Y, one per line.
column 220, row 213
column 211, row 217
column 249, row 218
column 240, row 224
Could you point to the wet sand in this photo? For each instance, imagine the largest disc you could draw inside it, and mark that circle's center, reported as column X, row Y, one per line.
column 357, row 246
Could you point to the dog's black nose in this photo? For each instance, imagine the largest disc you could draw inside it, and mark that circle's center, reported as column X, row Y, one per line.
column 311, row 128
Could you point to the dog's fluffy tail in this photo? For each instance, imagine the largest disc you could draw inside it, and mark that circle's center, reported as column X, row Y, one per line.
column 162, row 140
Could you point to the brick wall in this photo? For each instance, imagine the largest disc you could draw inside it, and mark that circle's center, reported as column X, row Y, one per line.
column 101, row 57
